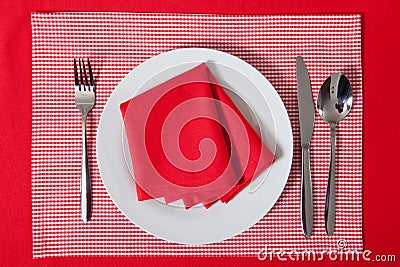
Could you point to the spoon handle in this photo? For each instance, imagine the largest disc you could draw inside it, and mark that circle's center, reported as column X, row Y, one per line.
column 330, row 201
column 306, row 194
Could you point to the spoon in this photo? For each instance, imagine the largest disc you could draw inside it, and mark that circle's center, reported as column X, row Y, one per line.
column 335, row 99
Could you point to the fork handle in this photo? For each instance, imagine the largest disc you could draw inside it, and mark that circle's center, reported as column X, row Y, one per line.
column 86, row 190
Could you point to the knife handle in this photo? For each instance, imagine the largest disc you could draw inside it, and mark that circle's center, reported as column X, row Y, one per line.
column 306, row 194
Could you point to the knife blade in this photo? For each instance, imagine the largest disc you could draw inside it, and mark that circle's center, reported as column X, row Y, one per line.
column 306, row 119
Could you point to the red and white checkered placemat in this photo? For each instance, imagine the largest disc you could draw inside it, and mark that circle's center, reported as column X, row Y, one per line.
column 116, row 43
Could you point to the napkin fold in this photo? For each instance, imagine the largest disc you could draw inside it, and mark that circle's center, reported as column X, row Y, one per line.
column 189, row 141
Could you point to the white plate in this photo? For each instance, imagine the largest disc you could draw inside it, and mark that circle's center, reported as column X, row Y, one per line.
column 197, row 225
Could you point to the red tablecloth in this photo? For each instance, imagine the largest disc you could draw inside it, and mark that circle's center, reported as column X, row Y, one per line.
column 381, row 127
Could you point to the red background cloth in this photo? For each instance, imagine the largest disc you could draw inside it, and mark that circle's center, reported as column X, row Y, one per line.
column 381, row 122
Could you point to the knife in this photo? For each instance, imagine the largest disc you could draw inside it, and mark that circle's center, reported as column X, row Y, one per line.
column 306, row 118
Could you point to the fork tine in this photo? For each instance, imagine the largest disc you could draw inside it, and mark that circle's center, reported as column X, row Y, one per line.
column 76, row 74
column 81, row 77
column 90, row 73
column 84, row 73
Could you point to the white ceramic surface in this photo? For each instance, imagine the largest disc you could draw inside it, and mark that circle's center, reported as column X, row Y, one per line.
column 197, row 225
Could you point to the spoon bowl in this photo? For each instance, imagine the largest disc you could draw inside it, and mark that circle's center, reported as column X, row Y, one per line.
column 335, row 98
column 334, row 102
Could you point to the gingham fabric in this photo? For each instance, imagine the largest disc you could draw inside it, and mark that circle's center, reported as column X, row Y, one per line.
column 118, row 42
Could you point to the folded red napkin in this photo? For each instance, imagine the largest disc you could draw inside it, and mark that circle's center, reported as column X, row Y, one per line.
column 189, row 141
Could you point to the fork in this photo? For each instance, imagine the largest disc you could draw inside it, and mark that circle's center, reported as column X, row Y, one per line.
column 84, row 99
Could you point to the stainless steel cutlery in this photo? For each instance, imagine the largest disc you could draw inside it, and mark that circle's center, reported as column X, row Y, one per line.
column 334, row 102
column 84, row 98
column 306, row 117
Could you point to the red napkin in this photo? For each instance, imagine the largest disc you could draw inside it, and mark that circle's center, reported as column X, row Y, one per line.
column 189, row 141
